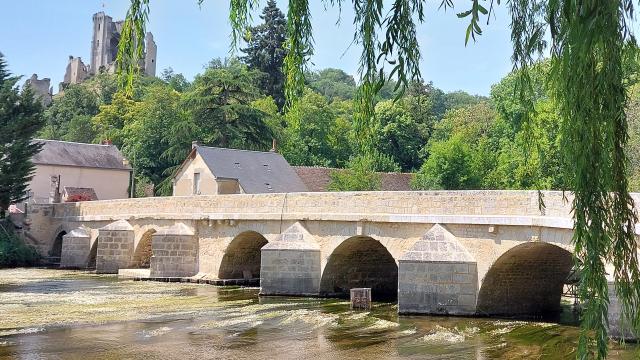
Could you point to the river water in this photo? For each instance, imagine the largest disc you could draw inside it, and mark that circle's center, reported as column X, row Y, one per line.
column 54, row 314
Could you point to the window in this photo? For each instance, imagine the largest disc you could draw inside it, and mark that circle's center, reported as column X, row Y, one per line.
column 196, row 183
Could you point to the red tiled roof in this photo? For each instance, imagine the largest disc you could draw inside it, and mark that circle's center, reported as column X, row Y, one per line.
column 317, row 179
column 87, row 193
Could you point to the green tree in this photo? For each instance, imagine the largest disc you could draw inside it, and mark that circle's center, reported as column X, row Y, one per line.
column 65, row 118
column 68, row 118
column 358, row 176
column 145, row 139
column 20, row 119
column 457, row 99
column 306, row 135
column 462, row 150
column 265, row 51
column 450, row 166
column 400, row 136
column 111, row 119
column 341, row 135
column 332, row 83
column 176, row 81
column 220, row 105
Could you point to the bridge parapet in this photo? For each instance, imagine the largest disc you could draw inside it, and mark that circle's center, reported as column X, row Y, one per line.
column 374, row 205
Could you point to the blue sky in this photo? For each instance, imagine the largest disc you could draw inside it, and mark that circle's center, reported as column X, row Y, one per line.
column 38, row 36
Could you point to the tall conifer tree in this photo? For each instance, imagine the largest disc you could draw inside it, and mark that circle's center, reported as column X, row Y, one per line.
column 20, row 119
column 265, row 51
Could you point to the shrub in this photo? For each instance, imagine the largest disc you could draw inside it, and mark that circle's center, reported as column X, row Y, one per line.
column 13, row 251
column 359, row 176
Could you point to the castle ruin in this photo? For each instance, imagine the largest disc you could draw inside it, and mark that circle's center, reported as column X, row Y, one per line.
column 104, row 50
column 41, row 89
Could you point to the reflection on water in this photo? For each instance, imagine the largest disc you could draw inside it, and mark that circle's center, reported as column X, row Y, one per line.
column 76, row 315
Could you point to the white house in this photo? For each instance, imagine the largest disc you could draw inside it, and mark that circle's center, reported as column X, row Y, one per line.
column 215, row 171
column 99, row 172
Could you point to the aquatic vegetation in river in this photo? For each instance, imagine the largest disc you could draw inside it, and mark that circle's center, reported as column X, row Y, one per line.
column 445, row 335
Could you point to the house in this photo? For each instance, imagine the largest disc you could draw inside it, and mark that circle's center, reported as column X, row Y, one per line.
column 97, row 171
column 317, row 179
column 217, row 171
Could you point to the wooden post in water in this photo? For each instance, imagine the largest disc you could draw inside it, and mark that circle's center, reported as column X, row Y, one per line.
column 361, row 298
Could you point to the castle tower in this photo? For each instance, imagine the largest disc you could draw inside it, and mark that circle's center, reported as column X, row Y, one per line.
column 76, row 72
column 151, row 51
column 103, row 44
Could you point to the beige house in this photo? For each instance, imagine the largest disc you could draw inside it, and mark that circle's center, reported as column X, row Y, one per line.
column 65, row 169
column 216, row 171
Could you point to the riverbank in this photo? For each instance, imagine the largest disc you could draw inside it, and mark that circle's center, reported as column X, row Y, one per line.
column 74, row 314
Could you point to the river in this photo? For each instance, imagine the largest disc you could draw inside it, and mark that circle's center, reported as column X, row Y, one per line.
column 55, row 314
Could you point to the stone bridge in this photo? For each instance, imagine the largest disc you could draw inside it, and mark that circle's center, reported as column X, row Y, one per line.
column 439, row 252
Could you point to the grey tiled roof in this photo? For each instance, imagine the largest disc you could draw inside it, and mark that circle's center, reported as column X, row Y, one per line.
column 256, row 171
column 77, row 154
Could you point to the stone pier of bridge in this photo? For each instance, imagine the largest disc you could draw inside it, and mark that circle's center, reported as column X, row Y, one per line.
column 487, row 253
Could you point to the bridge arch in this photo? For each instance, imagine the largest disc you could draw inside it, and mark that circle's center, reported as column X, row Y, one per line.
column 142, row 253
column 55, row 251
column 360, row 261
column 93, row 254
column 56, row 248
column 526, row 281
column 241, row 259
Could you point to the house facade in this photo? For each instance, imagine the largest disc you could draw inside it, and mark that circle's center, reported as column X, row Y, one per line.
column 218, row 171
column 64, row 167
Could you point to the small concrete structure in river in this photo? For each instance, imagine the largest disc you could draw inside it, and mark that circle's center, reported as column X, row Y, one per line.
column 437, row 252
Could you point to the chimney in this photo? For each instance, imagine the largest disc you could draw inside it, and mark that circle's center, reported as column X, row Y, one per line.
column 54, row 189
column 274, row 145
column 194, row 144
column 106, row 142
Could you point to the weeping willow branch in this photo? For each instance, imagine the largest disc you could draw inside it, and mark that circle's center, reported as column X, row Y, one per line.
column 131, row 46
column 399, row 49
column 299, row 48
column 239, row 17
column 367, row 20
column 587, row 79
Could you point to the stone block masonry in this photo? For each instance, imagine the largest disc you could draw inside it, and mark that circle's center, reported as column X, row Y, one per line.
column 76, row 249
column 437, row 276
column 115, row 247
column 290, row 265
column 175, row 252
column 439, row 288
